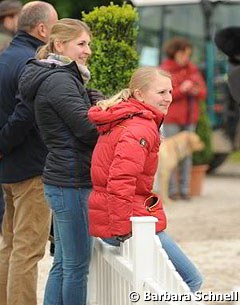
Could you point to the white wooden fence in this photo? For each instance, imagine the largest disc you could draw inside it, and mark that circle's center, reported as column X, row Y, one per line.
column 138, row 271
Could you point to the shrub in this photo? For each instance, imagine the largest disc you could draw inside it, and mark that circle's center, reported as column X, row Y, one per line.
column 114, row 46
column 204, row 131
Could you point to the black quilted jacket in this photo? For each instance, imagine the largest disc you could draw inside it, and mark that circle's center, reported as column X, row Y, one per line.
column 61, row 104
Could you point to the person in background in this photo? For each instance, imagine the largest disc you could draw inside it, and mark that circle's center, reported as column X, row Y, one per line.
column 9, row 12
column 25, row 227
column 124, row 163
column 227, row 40
column 55, row 82
column 189, row 90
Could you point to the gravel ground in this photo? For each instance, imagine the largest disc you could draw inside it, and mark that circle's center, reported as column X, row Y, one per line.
column 207, row 228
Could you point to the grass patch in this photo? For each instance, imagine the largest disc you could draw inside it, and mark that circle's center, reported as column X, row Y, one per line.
column 235, row 157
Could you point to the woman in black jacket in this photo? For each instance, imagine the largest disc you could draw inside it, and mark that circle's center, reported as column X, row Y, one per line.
column 55, row 82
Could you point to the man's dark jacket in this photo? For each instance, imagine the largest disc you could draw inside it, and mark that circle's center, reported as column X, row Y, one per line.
column 61, row 106
column 20, row 144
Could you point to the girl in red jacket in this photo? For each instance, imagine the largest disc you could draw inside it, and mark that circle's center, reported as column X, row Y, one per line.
column 125, row 160
column 189, row 90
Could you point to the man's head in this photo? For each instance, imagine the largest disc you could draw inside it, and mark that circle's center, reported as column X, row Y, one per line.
column 9, row 11
column 37, row 19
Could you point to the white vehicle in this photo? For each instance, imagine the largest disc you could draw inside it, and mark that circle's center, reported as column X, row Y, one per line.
column 197, row 20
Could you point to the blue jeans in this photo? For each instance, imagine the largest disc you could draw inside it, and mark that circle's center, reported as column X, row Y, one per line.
column 67, row 281
column 184, row 166
column 189, row 273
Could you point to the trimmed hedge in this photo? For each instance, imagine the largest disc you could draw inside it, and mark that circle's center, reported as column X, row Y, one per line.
column 114, row 56
column 204, row 131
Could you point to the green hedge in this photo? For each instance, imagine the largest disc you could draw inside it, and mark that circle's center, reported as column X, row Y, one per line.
column 114, row 56
column 204, row 131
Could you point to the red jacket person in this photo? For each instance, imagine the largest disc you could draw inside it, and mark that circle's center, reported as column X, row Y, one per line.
column 124, row 163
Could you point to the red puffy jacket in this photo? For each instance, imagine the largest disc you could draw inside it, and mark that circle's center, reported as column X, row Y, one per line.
column 124, row 162
column 184, row 109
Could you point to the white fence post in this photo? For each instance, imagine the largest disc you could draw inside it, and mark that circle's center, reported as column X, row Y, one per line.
column 143, row 231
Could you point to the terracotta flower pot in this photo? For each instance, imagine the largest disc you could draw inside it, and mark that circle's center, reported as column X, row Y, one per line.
column 197, row 177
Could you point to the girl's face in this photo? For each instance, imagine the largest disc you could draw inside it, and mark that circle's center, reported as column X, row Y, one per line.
column 77, row 49
column 158, row 94
column 182, row 57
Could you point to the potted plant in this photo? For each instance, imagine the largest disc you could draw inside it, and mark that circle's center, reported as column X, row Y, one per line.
column 202, row 158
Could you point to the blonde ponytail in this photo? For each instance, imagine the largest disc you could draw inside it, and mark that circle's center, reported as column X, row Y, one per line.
column 42, row 52
column 114, row 100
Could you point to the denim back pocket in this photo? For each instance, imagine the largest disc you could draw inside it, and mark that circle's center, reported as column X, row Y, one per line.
column 54, row 197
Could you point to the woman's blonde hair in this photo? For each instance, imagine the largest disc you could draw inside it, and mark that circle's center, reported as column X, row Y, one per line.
column 140, row 80
column 64, row 30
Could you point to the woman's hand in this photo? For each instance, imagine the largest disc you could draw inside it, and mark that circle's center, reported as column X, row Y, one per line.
column 186, row 86
column 122, row 238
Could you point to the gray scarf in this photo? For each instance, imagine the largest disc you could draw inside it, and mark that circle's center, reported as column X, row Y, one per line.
column 64, row 60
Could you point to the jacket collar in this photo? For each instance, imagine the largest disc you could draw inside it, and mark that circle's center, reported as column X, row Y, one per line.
column 23, row 38
column 174, row 66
